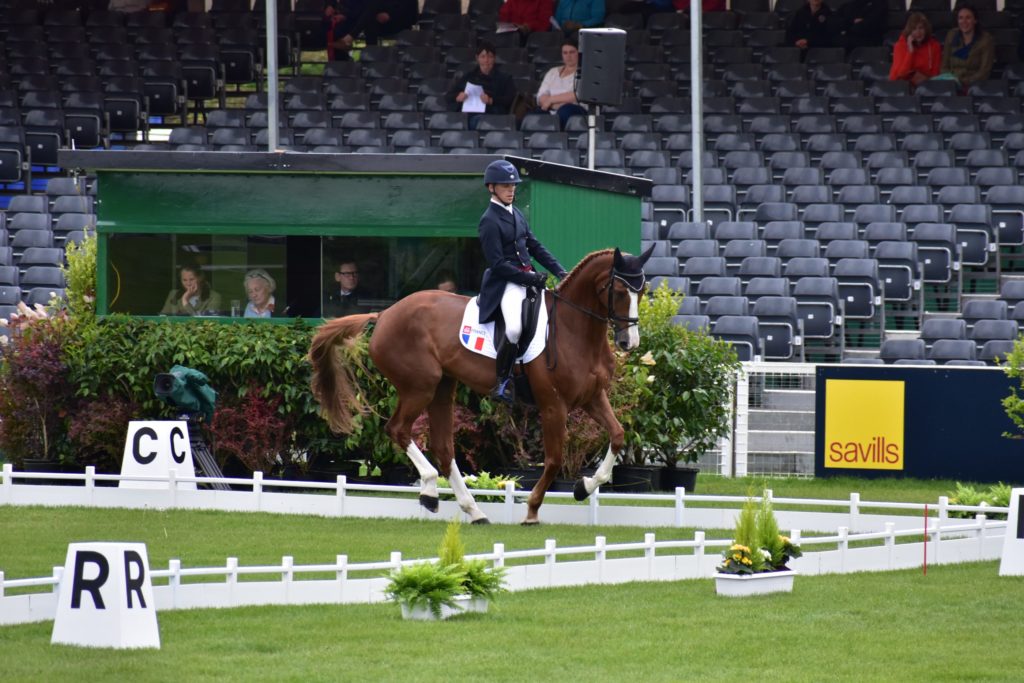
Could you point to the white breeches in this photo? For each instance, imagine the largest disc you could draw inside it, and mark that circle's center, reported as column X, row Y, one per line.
column 512, row 310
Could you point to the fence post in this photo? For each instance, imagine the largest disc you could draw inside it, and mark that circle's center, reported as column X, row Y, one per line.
column 844, row 544
column 341, row 483
column 680, row 505
column 699, row 552
column 890, row 543
column 231, row 578
column 593, row 509
column 1, row 583
column 257, row 489
column 499, row 555
column 600, row 555
column 396, row 560
column 549, row 559
column 8, row 487
column 854, row 509
column 341, row 576
column 90, row 483
column 286, row 576
column 980, row 519
column 174, row 581
column 649, row 554
column 509, row 501
column 58, row 574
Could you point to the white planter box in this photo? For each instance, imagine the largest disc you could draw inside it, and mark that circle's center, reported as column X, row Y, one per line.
column 739, row 585
column 463, row 604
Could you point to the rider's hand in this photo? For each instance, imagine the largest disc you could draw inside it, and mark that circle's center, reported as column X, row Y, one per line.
column 540, row 279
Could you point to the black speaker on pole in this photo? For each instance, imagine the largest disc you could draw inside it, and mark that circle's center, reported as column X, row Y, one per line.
column 602, row 65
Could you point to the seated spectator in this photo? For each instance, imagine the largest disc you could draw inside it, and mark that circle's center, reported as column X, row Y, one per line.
column 916, row 56
column 194, row 297
column 557, row 92
column 572, row 15
column 446, row 282
column 969, row 51
column 259, row 288
column 527, row 15
column 372, row 19
column 483, row 90
column 861, row 23
column 683, row 6
column 645, row 7
column 343, row 298
column 811, row 26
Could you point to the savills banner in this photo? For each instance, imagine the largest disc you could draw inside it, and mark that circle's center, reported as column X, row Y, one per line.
column 864, row 424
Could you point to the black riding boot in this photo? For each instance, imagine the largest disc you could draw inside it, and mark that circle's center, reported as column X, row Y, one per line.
column 505, row 388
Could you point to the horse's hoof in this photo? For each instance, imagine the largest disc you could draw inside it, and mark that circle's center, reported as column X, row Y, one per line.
column 530, row 522
column 482, row 520
column 429, row 502
column 579, row 491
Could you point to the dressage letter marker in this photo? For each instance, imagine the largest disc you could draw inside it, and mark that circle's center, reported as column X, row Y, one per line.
column 153, row 449
column 106, row 598
column 1012, row 563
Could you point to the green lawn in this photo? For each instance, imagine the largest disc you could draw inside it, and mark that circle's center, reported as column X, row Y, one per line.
column 957, row 623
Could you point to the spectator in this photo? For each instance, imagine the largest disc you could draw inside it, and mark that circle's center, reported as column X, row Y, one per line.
column 646, row 7
column 969, row 51
column 862, row 23
column 508, row 247
column 194, row 297
column 557, row 93
column 371, row 19
column 343, row 299
column 527, row 15
column 916, row 56
column 446, row 282
column 483, row 90
column 259, row 288
column 811, row 26
column 683, row 6
column 340, row 19
column 572, row 15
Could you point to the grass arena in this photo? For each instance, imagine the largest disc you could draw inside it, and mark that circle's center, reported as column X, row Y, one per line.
column 943, row 624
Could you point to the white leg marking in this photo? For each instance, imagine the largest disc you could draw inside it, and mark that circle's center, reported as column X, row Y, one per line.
column 603, row 474
column 462, row 494
column 634, row 312
column 428, row 475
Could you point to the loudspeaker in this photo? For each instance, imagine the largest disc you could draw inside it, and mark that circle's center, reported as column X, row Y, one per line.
column 602, row 65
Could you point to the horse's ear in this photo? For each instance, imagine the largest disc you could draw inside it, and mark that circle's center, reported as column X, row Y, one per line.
column 618, row 261
column 646, row 255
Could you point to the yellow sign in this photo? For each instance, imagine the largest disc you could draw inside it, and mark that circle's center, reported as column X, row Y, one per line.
column 864, row 424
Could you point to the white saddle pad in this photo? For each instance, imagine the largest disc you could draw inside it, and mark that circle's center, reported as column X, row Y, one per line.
column 479, row 337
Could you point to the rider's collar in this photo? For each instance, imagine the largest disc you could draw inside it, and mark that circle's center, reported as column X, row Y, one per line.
column 495, row 200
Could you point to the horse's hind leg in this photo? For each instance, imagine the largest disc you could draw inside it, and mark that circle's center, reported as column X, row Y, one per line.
column 399, row 428
column 442, row 440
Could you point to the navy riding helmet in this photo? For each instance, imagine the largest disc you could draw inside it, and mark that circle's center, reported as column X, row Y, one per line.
column 501, row 172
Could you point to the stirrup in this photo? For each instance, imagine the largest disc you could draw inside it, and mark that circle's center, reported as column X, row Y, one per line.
column 505, row 391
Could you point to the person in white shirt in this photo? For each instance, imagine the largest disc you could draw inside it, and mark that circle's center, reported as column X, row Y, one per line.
column 557, row 93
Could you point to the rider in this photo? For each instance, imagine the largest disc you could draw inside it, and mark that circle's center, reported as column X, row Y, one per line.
column 508, row 244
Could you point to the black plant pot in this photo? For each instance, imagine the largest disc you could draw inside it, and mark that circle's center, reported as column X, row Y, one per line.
column 398, row 475
column 528, row 476
column 41, row 465
column 673, row 476
column 329, row 471
column 633, row 479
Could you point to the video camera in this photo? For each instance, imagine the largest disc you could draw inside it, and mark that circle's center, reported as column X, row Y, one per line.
column 187, row 390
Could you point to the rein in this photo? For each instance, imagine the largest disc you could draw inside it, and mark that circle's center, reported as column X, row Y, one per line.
column 551, row 352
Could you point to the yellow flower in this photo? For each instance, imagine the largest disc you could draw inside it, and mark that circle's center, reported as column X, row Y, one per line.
column 647, row 359
column 784, row 539
column 747, row 561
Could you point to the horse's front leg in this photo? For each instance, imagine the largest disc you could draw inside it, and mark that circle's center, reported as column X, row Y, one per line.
column 553, row 426
column 442, row 438
column 601, row 410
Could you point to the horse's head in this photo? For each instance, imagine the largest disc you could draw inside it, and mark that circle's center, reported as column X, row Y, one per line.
column 625, row 286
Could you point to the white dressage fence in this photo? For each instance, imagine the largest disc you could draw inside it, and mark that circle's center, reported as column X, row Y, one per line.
column 884, row 541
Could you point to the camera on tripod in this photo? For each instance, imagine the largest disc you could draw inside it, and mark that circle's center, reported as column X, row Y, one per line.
column 187, row 390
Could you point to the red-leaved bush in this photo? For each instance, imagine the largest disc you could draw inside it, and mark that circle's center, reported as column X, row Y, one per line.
column 253, row 430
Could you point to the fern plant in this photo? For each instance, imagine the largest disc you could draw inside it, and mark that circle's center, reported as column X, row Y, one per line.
column 427, row 585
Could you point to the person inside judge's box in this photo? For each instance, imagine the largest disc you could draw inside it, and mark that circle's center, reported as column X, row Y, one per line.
column 342, row 298
column 259, row 288
column 195, row 297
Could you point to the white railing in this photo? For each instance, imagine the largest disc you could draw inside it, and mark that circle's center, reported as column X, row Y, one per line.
column 334, row 499
column 979, row 539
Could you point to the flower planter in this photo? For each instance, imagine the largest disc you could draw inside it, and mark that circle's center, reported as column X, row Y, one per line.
column 740, row 585
column 673, row 476
column 634, row 479
column 463, row 604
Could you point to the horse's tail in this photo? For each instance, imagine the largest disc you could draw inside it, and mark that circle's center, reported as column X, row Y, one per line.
column 334, row 382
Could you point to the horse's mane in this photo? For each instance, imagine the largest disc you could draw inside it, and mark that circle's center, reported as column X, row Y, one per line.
column 579, row 266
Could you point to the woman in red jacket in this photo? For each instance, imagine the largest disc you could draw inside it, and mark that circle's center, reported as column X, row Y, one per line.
column 917, row 56
column 527, row 15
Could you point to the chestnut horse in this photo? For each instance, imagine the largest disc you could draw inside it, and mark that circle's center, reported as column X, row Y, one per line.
column 415, row 345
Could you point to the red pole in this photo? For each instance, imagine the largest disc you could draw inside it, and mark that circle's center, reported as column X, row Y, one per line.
column 926, row 539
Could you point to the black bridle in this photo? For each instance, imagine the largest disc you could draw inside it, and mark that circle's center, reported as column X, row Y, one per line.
column 634, row 281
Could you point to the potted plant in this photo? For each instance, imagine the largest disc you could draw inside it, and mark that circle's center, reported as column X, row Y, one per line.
column 757, row 560
column 672, row 393
column 450, row 586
